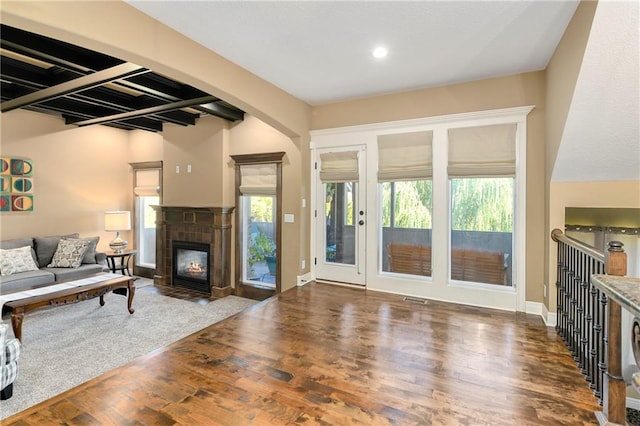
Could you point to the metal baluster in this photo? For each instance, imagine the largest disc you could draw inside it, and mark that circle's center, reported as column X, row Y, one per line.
column 602, row 349
column 572, row 302
column 562, row 292
column 578, row 276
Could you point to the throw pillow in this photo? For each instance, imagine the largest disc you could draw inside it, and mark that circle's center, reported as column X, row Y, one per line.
column 46, row 247
column 90, row 254
column 69, row 254
column 16, row 260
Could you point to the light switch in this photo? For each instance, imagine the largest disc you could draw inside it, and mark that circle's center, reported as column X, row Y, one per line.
column 288, row 218
column 188, row 168
column 177, row 169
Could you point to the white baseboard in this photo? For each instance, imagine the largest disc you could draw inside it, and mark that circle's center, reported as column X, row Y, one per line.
column 303, row 279
column 536, row 308
column 550, row 318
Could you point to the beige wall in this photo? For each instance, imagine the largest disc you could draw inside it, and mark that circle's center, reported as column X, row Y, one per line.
column 200, row 146
column 79, row 173
column 512, row 91
column 145, row 146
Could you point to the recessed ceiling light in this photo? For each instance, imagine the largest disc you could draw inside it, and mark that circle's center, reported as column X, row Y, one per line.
column 380, row 52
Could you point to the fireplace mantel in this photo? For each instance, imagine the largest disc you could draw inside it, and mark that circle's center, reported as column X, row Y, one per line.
column 208, row 225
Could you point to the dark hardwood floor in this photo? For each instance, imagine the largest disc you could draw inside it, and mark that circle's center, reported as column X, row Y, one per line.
column 331, row 355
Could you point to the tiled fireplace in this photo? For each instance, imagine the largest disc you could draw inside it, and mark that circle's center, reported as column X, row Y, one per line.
column 194, row 248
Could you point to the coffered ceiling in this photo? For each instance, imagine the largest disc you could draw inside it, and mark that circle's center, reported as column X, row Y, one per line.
column 86, row 87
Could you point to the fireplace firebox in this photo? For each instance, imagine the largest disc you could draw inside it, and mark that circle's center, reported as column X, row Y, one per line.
column 191, row 265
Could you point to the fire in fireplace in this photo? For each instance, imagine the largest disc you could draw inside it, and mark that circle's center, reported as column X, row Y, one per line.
column 191, row 265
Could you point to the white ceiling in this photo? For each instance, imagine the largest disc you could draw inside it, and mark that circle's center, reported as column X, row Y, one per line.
column 320, row 52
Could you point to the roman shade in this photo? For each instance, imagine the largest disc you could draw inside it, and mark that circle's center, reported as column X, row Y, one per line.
column 482, row 151
column 258, row 179
column 147, row 182
column 339, row 166
column 405, row 156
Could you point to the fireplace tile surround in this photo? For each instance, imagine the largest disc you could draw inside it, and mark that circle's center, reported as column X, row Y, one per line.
column 205, row 225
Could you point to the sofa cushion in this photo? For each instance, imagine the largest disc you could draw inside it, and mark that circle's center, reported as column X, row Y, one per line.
column 69, row 254
column 26, row 280
column 46, row 247
column 18, row 242
column 16, row 260
column 68, row 274
column 90, row 254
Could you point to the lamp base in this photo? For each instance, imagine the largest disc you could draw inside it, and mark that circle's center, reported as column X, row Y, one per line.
column 118, row 245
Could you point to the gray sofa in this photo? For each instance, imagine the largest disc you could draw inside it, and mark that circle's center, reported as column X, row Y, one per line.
column 43, row 249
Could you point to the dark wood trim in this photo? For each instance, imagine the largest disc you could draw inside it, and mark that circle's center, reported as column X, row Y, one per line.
column 208, row 225
column 276, row 158
column 146, row 165
column 267, row 157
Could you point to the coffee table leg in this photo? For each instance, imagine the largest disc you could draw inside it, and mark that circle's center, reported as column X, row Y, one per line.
column 102, row 300
column 132, row 290
column 16, row 322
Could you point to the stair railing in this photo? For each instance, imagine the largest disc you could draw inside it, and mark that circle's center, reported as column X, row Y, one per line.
column 581, row 307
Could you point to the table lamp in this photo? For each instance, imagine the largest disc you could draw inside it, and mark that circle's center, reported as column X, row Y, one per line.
column 117, row 221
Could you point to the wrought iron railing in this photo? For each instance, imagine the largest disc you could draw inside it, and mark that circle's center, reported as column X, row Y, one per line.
column 581, row 307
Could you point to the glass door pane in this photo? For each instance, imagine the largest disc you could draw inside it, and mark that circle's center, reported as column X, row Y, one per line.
column 259, row 265
column 340, row 238
column 146, row 231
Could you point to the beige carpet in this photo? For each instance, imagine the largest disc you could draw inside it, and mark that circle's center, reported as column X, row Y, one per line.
column 69, row 345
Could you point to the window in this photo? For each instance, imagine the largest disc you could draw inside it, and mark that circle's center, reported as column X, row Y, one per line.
column 258, row 211
column 481, row 171
column 405, row 194
column 147, row 190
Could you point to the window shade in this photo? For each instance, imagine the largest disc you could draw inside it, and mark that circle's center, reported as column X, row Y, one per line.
column 147, row 183
column 339, row 166
column 482, row 151
column 258, row 179
column 405, row 156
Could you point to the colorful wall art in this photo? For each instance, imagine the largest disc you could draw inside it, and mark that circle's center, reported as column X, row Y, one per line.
column 16, row 184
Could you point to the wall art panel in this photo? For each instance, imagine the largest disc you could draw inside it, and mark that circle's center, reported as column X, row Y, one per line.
column 16, row 184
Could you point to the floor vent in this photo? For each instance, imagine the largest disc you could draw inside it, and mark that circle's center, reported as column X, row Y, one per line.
column 415, row 300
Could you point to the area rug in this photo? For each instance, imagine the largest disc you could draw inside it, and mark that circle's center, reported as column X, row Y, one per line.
column 69, row 345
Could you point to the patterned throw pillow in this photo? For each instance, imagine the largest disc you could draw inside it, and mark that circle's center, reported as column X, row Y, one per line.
column 90, row 254
column 69, row 254
column 17, row 260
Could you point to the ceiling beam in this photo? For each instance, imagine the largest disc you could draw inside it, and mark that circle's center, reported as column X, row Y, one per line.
column 82, row 83
column 146, row 111
column 222, row 111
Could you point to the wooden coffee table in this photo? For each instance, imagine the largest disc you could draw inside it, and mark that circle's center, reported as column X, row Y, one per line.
column 69, row 295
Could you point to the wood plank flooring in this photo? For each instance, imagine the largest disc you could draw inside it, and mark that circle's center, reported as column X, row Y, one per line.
column 330, row 355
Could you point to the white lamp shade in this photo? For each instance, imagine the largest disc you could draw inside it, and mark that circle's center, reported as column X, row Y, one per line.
column 117, row 221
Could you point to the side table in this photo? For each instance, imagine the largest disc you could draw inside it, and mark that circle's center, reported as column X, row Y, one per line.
column 120, row 261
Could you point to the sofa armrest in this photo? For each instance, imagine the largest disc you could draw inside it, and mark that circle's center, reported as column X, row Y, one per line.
column 101, row 259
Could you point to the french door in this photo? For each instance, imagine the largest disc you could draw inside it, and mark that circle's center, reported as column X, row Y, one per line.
column 340, row 215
